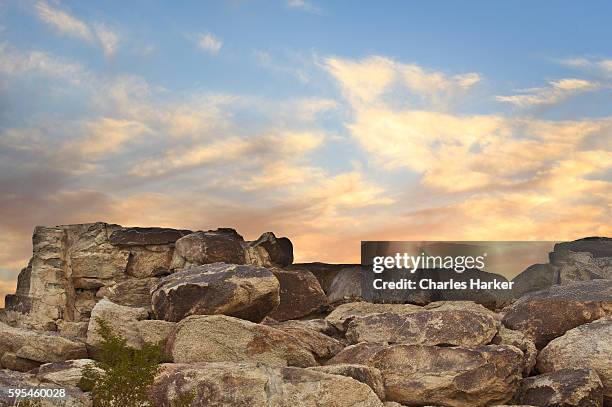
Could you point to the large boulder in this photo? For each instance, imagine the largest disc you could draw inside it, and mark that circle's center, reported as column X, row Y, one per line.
column 122, row 320
column 134, row 292
column 222, row 245
column 563, row 388
column 534, row 278
column 587, row 346
column 39, row 346
column 300, row 294
column 449, row 376
column 311, row 337
column 360, row 353
column 547, row 314
column 243, row 291
column 279, row 250
column 219, row 338
column 507, row 336
column 346, row 312
column 241, row 384
column 584, row 267
column 67, row 373
column 362, row 373
column 444, row 323
column 340, row 282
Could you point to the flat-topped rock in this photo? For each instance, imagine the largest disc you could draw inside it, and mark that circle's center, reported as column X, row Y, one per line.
column 136, row 236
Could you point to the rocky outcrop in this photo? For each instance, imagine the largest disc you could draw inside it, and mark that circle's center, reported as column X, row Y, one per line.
column 585, row 347
column 207, row 339
column 449, row 376
column 563, row 388
column 300, row 295
column 38, row 346
column 460, row 323
column 243, row 291
column 231, row 384
column 547, row 314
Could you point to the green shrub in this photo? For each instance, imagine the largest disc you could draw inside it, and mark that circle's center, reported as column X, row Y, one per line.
column 124, row 374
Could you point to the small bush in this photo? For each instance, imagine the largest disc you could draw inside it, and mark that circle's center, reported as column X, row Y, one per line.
column 124, row 374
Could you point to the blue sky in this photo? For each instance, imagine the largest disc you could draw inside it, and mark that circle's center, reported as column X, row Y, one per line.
column 329, row 122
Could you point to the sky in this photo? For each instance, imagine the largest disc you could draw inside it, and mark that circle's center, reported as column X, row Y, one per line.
column 327, row 122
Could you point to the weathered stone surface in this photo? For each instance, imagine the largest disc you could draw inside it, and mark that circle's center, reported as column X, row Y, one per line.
column 230, row 384
column 339, row 316
column 13, row 380
column 449, row 376
column 340, row 282
column 242, row 291
column 72, row 329
column 596, row 246
column 563, row 388
column 66, row 373
column 587, row 346
column 136, row 236
column 549, row 313
column 120, row 319
column 534, row 278
column 39, row 346
column 583, row 266
column 318, row 343
column 131, row 293
column 154, row 331
column 149, row 261
column 450, row 323
column 507, row 336
column 13, row 362
column 207, row 339
column 362, row 373
column 279, row 250
column 300, row 294
column 214, row 246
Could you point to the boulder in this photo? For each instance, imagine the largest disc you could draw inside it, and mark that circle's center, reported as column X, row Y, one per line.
column 39, row 346
column 120, row 319
column 449, row 376
column 446, row 323
column 131, row 293
column 339, row 316
column 240, row 384
column 596, row 246
column 243, row 291
column 318, row 343
column 534, row 278
column 547, row 314
column 72, row 329
column 279, row 250
column 507, row 336
column 585, row 347
column 364, row 374
column 300, row 294
column 13, row 362
column 153, row 331
column 66, row 373
column 219, row 338
column 340, row 282
column 146, row 236
column 584, row 266
column 214, row 246
column 563, row 388
column 360, row 353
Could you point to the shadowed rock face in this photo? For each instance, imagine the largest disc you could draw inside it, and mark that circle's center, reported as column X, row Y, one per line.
column 565, row 387
column 587, row 346
column 243, row 384
column 547, row 314
column 146, row 236
column 280, row 249
column 242, row 291
column 300, row 294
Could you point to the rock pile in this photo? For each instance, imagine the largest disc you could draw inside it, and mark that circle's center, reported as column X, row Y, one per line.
column 244, row 326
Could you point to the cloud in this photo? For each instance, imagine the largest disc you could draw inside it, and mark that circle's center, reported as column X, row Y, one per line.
column 209, row 43
column 304, row 6
column 556, row 92
column 66, row 24
column 601, row 66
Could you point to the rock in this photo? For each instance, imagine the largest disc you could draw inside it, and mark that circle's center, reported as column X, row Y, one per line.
column 340, row 282
column 120, row 319
column 205, row 339
column 231, row 384
column 563, row 388
column 449, row 376
column 535, row 278
column 344, row 312
column 596, row 246
column 149, row 261
column 364, row 374
column 39, row 346
column 360, row 353
column 72, row 329
column 279, row 250
column 14, row 362
column 214, row 246
column 318, row 343
column 300, row 295
column 587, row 346
column 146, row 236
column 66, row 373
column 131, row 293
column 507, row 336
column 583, row 266
column 465, row 324
column 15, row 380
column 242, row 291
column 549, row 313
column 153, row 331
